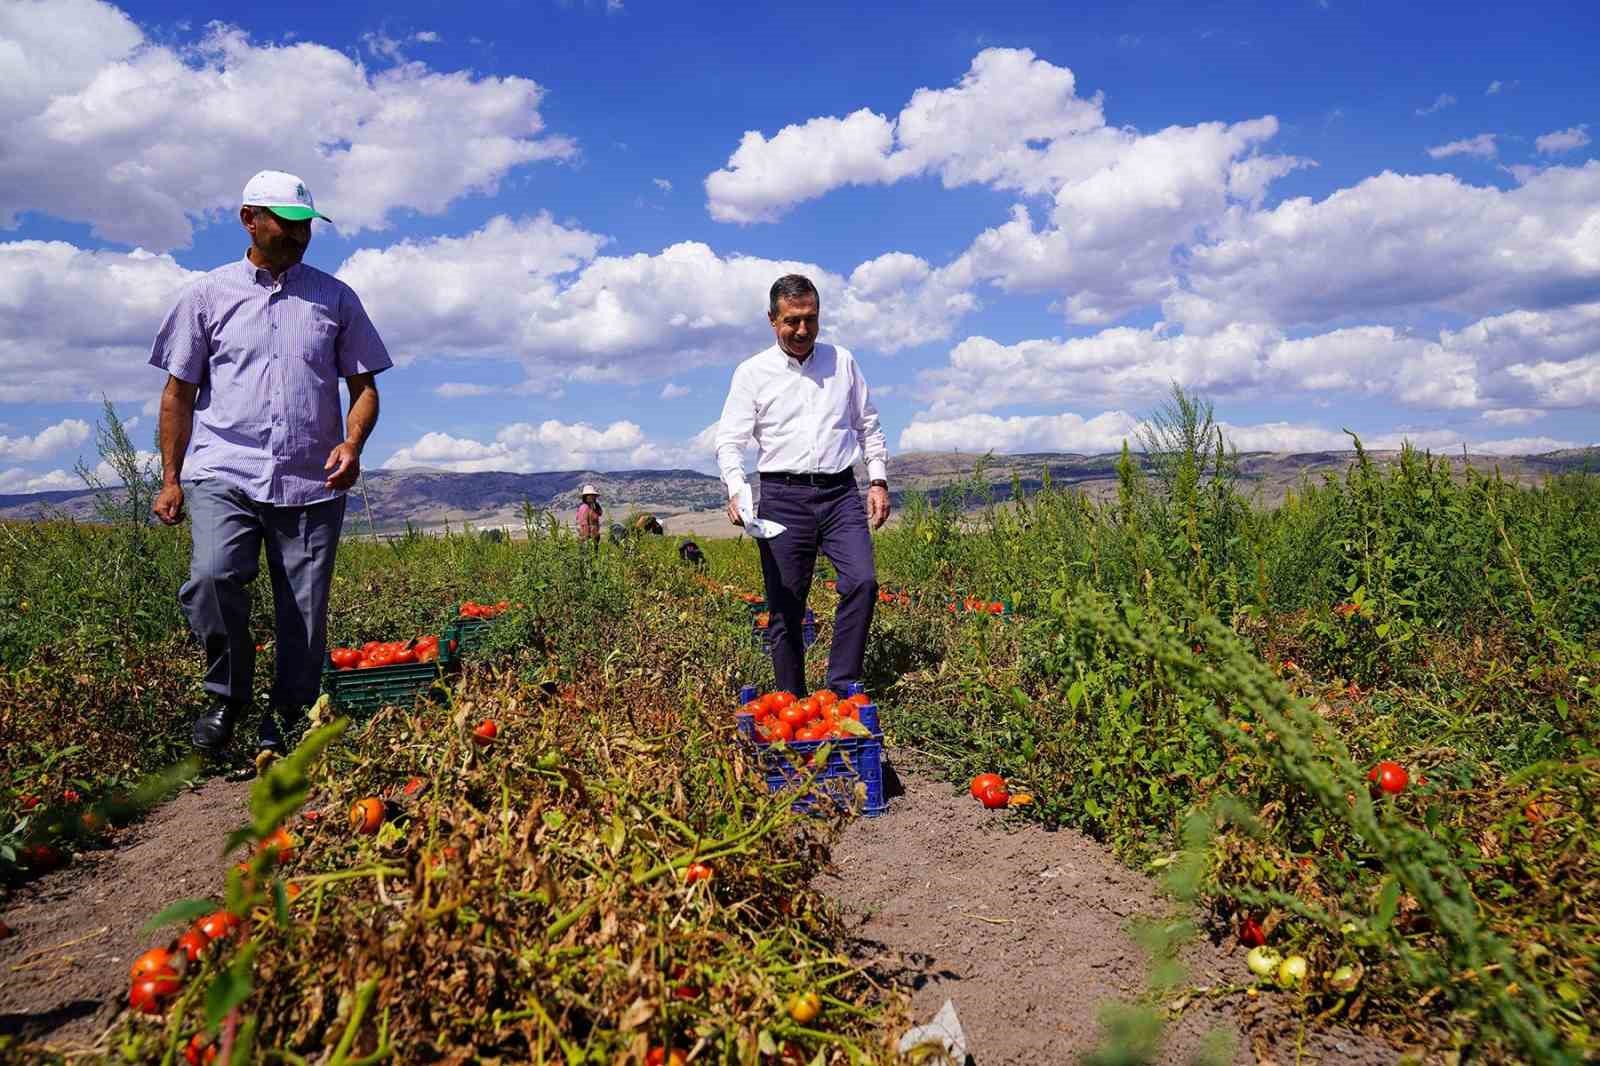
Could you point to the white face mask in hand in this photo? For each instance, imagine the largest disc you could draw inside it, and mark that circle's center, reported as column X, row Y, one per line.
column 759, row 528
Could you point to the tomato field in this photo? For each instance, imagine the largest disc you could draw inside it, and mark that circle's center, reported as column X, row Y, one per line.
column 1357, row 731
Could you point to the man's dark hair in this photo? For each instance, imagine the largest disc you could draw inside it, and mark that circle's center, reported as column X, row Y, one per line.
column 790, row 287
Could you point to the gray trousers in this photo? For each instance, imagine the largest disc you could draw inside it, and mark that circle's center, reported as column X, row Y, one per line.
column 229, row 529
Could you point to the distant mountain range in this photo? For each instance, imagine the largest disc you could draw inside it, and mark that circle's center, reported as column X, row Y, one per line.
column 691, row 502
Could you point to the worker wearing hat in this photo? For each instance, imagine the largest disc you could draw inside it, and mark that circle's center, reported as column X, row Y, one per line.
column 253, row 438
column 589, row 512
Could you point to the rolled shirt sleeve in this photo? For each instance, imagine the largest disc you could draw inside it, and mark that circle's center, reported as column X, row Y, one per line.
column 874, row 446
column 360, row 349
column 734, row 430
column 183, row 345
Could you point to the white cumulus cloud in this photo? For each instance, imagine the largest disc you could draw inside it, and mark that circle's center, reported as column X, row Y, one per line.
column 1482, row 146
column 68, row 433
column 51, row 350
column 535, row 291
column 143, row 139
column 1566, row 140
column 673, row 391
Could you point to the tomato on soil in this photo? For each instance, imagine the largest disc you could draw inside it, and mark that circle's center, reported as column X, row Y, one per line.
column 413, row 786
column 366, row 815
column 1390, row 777
column 697, row 871
column 805, row 1006
column 199, row 1050
column 983, row 781
column 487, row 730
column 994, row 796
column 660, row 1056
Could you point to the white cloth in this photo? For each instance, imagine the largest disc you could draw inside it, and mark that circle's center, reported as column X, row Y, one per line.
column 759, row 528
column 806, row 418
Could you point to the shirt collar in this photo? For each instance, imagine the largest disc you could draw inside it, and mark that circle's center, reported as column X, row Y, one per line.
column 261, row 273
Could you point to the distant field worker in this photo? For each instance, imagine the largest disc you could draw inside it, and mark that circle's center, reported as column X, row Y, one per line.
column 589, row 514
column 807, row 408
column 251, row 420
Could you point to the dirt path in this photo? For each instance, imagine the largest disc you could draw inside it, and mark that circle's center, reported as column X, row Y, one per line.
column 64, row 971
column 1026, row 931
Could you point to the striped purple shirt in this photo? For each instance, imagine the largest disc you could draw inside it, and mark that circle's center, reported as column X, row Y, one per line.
column 268, row 355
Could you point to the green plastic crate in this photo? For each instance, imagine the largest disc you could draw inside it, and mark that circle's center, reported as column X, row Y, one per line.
column 400, row 685
column 469, row 633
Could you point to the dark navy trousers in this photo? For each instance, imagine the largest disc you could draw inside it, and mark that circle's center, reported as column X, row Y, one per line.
column 832, row 520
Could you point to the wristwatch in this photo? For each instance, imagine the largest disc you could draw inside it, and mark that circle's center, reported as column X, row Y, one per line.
column 878, row 483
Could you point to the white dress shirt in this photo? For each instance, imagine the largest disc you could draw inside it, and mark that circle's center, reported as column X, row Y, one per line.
column 813, row 417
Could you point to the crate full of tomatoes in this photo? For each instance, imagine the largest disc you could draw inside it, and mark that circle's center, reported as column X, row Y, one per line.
column 786, row 734
column 382, row 672
column 472, row 623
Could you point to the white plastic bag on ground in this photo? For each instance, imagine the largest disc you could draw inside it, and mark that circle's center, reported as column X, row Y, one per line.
column 759, row 528
column 942, row 1042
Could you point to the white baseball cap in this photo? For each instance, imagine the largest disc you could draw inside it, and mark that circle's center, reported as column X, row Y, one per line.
column 285, row 195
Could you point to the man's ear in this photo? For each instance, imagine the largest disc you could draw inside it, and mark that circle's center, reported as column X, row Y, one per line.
column 246, row 216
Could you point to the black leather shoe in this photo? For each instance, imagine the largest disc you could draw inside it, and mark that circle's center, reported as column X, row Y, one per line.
column 271, row 739
column 214, row 729
column 280, row 728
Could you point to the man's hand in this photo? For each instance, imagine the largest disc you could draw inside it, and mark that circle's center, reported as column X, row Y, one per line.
column 169, row 504
column 345, row 462
column 733, row 512
column 877, row 506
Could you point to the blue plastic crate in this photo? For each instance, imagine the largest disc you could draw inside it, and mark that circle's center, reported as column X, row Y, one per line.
column 808, row 632
column 851, row 761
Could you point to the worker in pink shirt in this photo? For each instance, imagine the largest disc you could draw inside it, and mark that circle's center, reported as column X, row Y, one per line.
column 589, row 512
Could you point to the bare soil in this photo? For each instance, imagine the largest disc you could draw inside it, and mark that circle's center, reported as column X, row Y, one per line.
column 75, row 932
column 1026, row 930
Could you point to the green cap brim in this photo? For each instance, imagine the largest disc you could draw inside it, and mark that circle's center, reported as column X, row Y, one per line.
column 298, row 213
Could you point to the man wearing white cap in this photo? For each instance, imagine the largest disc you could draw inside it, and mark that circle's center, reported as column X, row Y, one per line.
column 589, row 512
column 251, row 420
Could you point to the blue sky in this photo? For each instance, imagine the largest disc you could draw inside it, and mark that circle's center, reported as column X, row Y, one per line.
column 1025, row 220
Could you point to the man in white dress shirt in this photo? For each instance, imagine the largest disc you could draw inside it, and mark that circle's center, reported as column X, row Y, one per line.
column 806, row 406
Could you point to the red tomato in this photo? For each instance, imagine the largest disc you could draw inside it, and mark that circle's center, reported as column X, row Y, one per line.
column 825, row 697
column 1250, row 933
column 218, row 924
column 784, row 698
column 70, row 796
column 199, row 1050
column 697, row 871
column 1390, row 777
column 997, row 608
column 487, row 730
column 430, row 654
column 27, row 803
column 983, row 781
column 994, row 796
column 754, row 708
column 366, row 815
column 413, row 786
column 151, row 963
column 192, row 944
column 810, row 707
column 405, row 655
column 794, row 715
column 660, row 1056
column 148, row 994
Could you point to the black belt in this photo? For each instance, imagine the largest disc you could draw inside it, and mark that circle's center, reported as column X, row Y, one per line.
column 846, row 476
